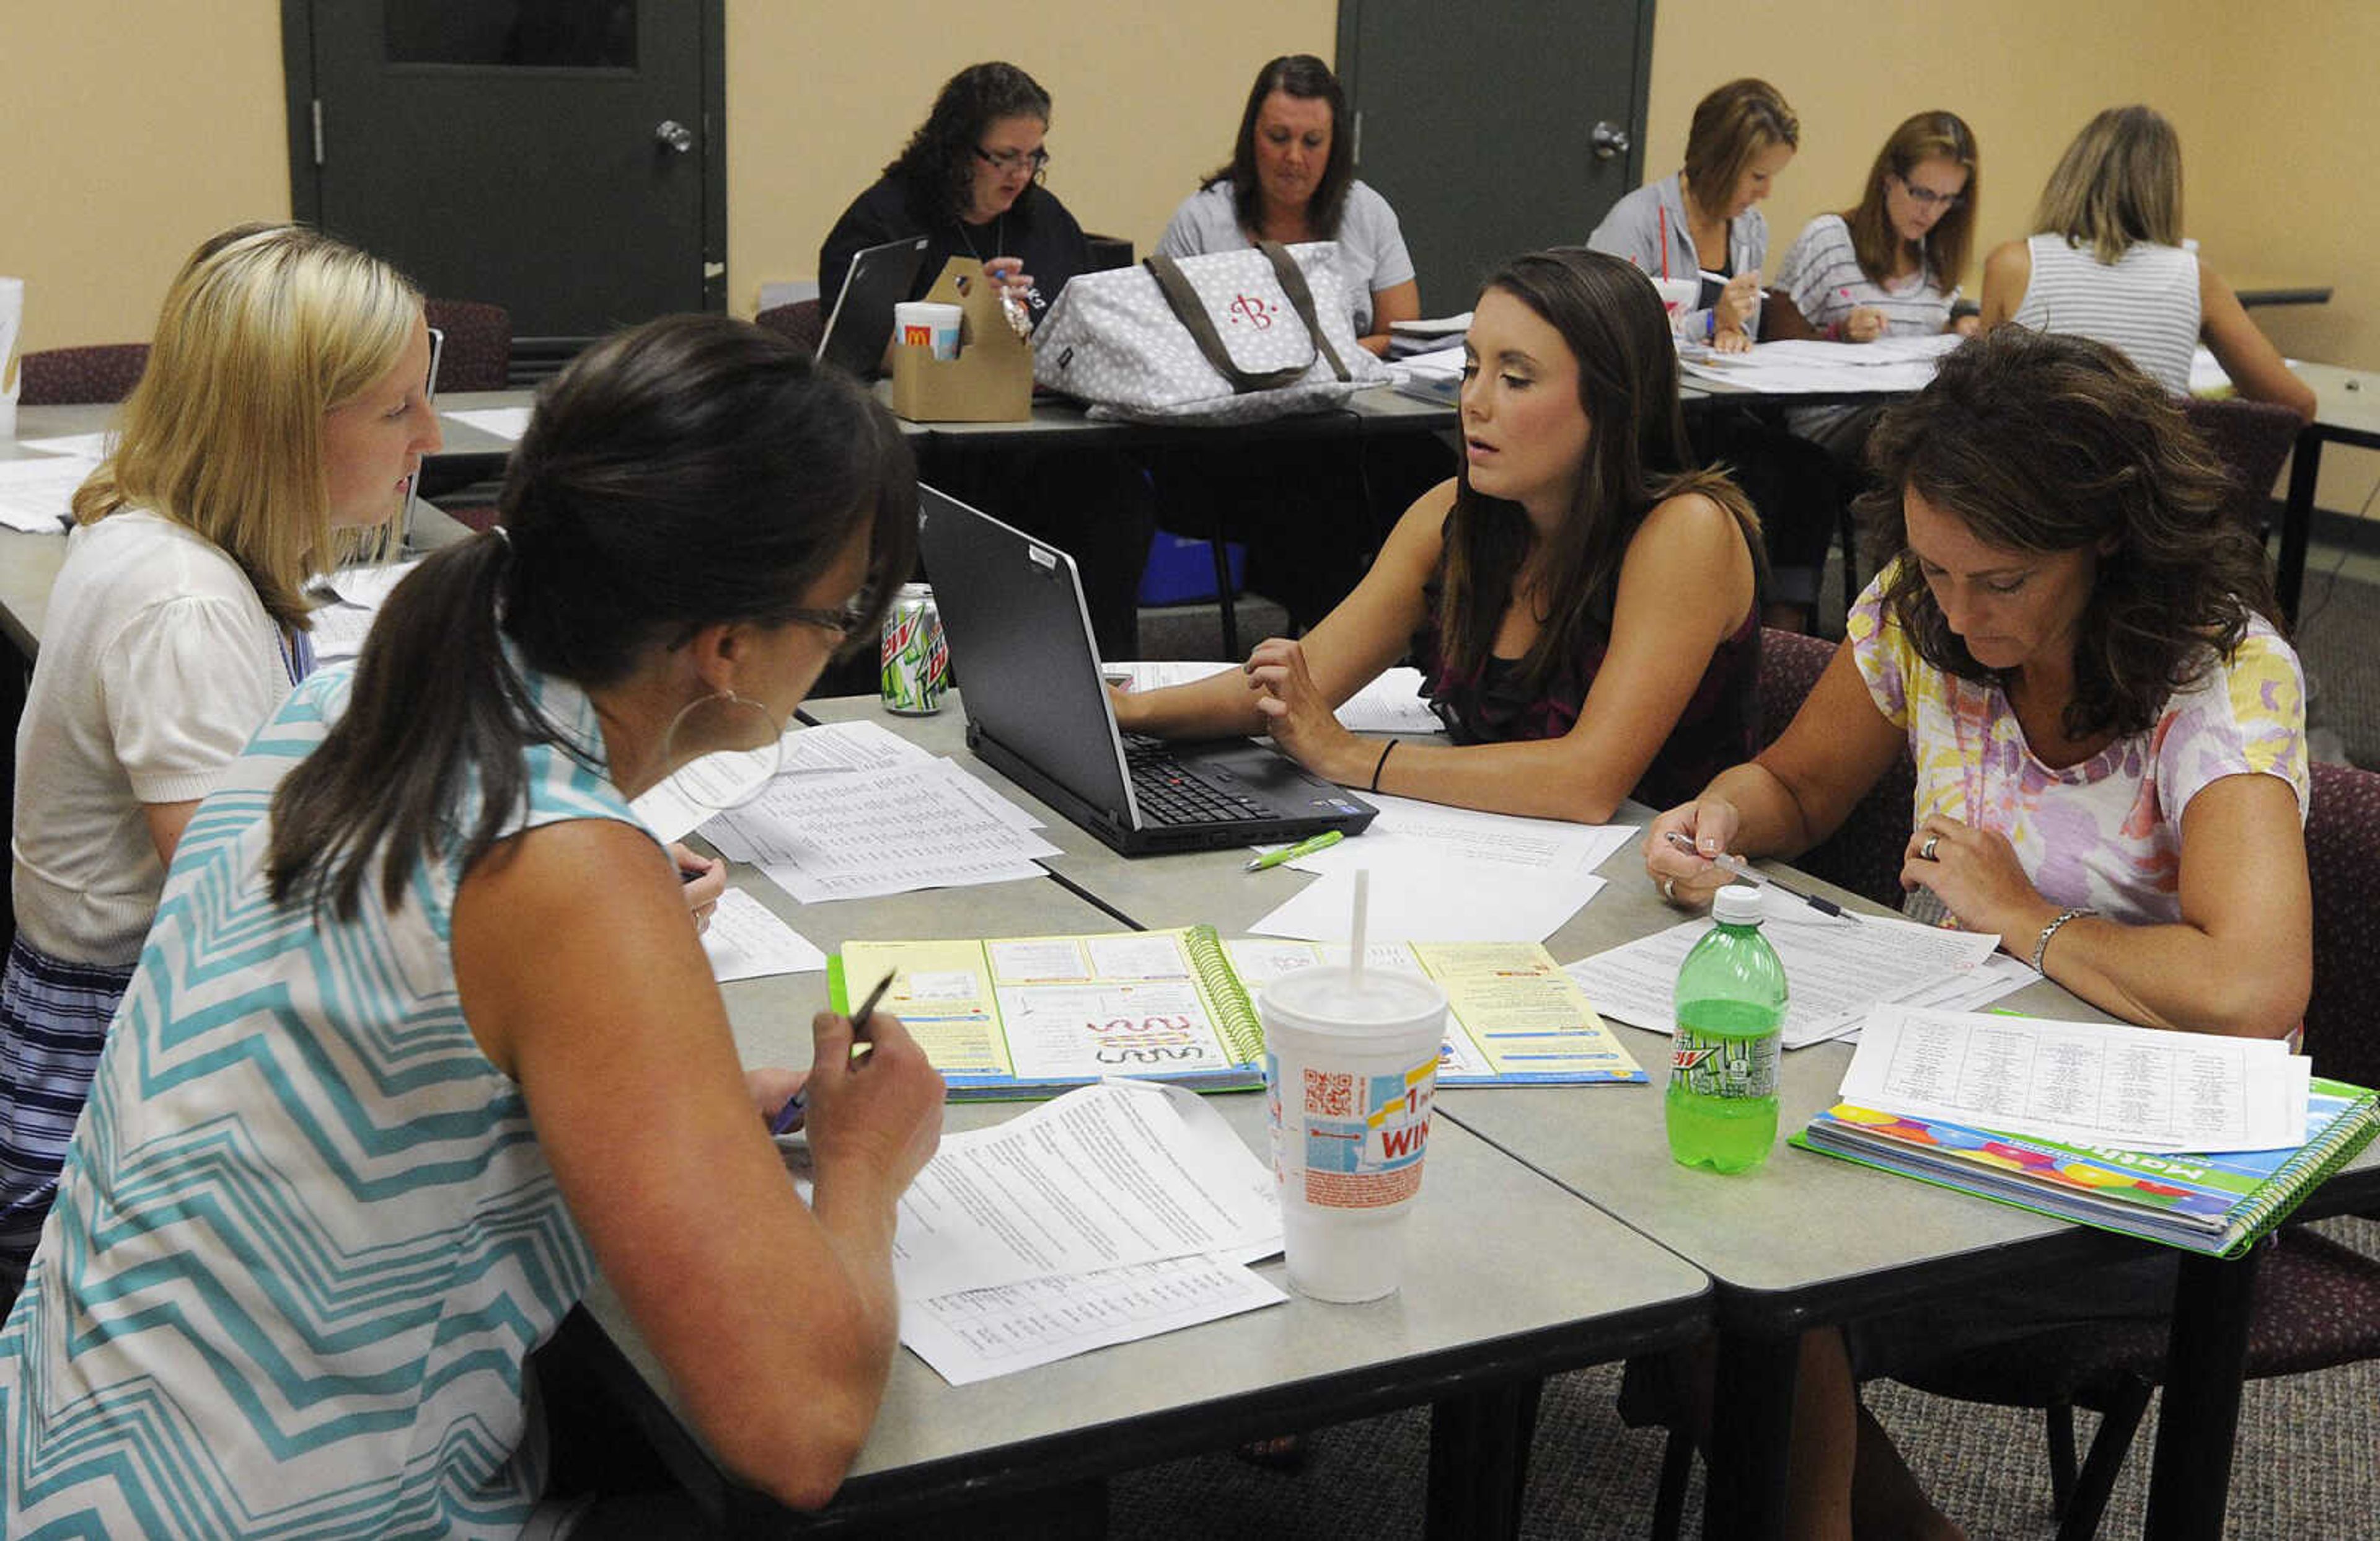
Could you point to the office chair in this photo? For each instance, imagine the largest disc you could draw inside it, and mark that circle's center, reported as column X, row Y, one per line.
column 801, row 322
column 2253, row 439
column 99, row 374
column 479, row 353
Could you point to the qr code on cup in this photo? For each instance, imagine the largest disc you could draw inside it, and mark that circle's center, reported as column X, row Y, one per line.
column 1330, row 1095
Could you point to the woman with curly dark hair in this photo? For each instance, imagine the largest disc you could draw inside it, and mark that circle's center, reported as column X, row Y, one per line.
column 2082, row 651
column 969, row 181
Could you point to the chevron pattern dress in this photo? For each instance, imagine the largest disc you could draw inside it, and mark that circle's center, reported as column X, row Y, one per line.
column 306, row 1238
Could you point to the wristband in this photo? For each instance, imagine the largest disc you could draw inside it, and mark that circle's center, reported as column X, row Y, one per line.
column 1380, row 763
column 1710, row 324
column 1835, row 331
column 2041, row 943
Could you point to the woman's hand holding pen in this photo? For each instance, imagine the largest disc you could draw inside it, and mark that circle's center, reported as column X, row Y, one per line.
column 705, row 881
column 1738, row 305
column 1687, row 878
column 1297, row 716
column 1864, row 324
column 875, row 1118
column 1976, row 874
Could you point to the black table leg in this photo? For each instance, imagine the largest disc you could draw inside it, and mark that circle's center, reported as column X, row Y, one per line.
column 2296, row 520
column 1752, row 1427
column 2191, row 1481
column 1480, row 1462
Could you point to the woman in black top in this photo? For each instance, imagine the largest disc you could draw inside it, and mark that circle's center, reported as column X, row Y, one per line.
column 970, row 183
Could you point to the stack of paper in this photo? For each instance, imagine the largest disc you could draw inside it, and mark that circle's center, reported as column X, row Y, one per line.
column 1115, row 1212
column 680, row 804
column 1445, row 874
column 1887, row 366
column 36, row 495
column 2082, row 1082
column 851, row 835
column 1834, row 970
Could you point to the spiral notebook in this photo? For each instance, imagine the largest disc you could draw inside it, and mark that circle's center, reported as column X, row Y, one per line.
column 1023, row 1016
column 2217, row 1205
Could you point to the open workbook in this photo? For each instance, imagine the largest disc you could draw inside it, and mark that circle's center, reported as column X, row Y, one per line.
column 1025, row 1016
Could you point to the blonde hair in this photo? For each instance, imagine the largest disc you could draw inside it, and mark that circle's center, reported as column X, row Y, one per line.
column 263, row 332
column 1730, row 126
column 1935, row 136
column 2119, row 183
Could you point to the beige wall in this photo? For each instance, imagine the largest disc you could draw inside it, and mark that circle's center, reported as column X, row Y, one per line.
column 2276, row 110
column 130, row 130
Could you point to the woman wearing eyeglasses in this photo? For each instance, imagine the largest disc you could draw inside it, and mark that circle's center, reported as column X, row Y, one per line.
column 969, row 183
column 421, row 1037
column 1890, row 267
column 2107, row 262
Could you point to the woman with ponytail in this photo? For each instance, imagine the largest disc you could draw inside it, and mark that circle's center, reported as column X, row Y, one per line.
column 284, row 410
column 422, row 1037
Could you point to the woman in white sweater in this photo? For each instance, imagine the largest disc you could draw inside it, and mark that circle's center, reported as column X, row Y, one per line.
column 285, row 402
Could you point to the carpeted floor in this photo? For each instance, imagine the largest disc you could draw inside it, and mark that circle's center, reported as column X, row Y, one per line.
column 2304, row 1466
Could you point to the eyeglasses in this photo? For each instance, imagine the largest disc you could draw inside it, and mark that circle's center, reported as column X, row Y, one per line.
column 1926, row 198
column 1009, row 160
column 845, row 621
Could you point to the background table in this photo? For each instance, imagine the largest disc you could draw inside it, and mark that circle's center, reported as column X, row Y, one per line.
column 2346, row 411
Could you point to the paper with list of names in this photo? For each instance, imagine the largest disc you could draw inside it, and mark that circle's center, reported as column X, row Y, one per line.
column 680, row 804
column 746, row 941
column 857, row 833
column 1834, row 970
column 2082, row 1082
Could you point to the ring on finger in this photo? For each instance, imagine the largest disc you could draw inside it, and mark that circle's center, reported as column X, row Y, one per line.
column 1926, row 852
column 1669, row 889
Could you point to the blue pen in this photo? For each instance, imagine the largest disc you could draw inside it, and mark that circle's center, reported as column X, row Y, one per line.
column 789, row 1117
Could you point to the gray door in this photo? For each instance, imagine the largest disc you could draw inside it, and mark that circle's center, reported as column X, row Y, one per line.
column 1477, row 121
column 560, row 158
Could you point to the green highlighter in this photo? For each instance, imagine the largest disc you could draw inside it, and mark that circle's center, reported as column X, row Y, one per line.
column 1322, row 842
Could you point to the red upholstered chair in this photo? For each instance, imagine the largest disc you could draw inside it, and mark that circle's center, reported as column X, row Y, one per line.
column 1864, row 855
column 801, row 322
column 479, row 352
column 2253, row 439
column 81, row 376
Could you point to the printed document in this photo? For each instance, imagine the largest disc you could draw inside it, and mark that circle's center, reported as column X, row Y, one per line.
column 681, row 802
column 857, row 834
column 2082, row 1082
column 36, row 495
column 1391, row 703
column 746, row 941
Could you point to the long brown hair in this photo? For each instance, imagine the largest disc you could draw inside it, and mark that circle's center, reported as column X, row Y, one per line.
column 1638, row 454
column 2119, row 183
column 692, row 471
column 1733, row 124
column 1308, row 78
column 2040, row 442
column 1935, row 136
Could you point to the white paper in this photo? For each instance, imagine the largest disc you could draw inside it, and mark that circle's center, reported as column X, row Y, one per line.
column 853, row 834
column 1104, row 1177
column 87, row 446
column 339, row 631
column 747, row 942
column 37, row 495
column 1390, row 703
column 977, row 1334
column 503, row 422
column 1410, row 831
column 1834, row 970
column 369, row 586
column 2081, row 1083
column 1887, row 365
column 1419, row 894
column 681, row 802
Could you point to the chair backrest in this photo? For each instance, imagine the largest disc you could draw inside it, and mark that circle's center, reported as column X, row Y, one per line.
column 479, row 355
column 2252, row 439
column 1864, row 855
column 803, row 322
column 81, row 376
column 1108, row 251
column 2342, row 848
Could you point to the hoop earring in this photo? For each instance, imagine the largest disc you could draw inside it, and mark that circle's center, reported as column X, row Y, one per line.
column 725, row 778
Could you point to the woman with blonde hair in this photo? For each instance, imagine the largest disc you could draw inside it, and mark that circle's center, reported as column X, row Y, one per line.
column 284, row 408
column 2106, row 261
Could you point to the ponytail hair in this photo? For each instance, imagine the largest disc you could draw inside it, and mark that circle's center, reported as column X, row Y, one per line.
column 694, row 471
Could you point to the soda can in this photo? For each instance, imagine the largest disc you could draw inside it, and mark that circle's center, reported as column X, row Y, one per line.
column 917, row 662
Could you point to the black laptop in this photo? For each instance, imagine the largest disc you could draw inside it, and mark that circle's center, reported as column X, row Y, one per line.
column 1037, row 711
column 861, row 324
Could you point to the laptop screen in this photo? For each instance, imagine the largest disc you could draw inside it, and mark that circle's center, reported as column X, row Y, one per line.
column 861, row 325
column 1022, row 649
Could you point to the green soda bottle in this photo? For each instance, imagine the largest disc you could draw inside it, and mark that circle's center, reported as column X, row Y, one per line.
column 1731, row 1020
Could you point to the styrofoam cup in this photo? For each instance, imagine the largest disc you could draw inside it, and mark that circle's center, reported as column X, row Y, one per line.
column 1350, row 1070
column 1678, row 295
column 930, row 324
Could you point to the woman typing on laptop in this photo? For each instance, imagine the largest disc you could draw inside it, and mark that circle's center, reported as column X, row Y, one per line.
column 1582, row 602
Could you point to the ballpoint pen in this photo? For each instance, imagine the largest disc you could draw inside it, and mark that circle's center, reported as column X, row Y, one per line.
column 1322, row 842
column 1736, row 867
column 789, row 1117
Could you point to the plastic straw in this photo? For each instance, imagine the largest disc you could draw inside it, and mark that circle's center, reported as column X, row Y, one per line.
column 1355, row 942
column 1665, row 240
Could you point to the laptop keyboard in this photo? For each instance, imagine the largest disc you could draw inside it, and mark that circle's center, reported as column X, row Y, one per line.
column 1167, row 795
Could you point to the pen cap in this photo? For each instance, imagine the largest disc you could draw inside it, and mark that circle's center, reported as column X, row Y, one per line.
column 1737, row 905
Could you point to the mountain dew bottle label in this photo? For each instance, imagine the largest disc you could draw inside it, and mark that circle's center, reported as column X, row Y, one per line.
column 915, row 661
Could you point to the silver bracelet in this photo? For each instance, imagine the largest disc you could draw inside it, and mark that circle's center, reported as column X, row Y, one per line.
column 2041, row 943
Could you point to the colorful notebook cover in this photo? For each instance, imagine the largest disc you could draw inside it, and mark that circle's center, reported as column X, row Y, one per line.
column 1027, row 1015
column 2210, row 1204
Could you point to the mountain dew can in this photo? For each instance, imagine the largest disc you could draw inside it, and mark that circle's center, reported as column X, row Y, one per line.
column 917, row 662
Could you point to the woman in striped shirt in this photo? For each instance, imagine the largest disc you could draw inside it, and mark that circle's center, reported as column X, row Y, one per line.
column 2106, row 261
